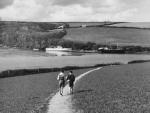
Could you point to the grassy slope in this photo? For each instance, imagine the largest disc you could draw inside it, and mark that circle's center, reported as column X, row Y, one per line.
column 22, row 94
column 119, row 89
column 109, row 35
column 133, row 24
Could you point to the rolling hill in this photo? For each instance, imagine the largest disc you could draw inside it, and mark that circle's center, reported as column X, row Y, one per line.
column 109, row 35
column 29, row 35
column 90, row 24
column 132, row 24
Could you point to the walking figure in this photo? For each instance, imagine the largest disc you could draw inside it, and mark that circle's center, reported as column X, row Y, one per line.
column 71, row 79
column 61, row 79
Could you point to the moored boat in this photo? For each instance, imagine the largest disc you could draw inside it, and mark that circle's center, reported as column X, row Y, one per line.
column 111, row 51
column 59, row 48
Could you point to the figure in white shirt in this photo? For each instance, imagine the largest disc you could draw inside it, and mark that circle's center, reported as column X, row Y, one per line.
column 61, row 79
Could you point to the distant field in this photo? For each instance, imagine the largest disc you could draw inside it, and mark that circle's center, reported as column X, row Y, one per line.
column 106, row 35
column 116, row 89
column 77, row 24
column 133, row 24
column 25, row 93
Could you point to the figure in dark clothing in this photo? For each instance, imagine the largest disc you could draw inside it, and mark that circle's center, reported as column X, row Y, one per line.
column 71, row 79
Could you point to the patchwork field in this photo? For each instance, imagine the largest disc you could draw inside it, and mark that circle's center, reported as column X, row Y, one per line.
column 26, row 93
column 108, row 35
column 115, row 89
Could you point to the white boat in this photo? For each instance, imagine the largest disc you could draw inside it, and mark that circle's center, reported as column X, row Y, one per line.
column 59, row 48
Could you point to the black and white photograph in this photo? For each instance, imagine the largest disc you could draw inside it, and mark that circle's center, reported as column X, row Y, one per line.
column 74, row 56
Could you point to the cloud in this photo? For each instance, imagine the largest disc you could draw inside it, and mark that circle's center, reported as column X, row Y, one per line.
column 67, row 2
column 125, row 15
column 74, row 10
column 5, row 3
column 22, row 10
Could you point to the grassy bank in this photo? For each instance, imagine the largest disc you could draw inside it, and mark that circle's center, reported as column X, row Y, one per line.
column 22, row 72
column 138, row 61
column 115, row 89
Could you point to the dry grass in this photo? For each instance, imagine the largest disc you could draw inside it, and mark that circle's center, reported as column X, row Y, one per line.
column 116, row 89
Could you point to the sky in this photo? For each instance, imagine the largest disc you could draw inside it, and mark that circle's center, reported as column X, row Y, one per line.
column 75, row 10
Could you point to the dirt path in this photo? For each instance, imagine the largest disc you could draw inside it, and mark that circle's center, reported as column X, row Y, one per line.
column 62, row 104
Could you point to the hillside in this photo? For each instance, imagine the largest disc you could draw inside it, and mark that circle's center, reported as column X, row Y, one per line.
column 108, row 35
column 39, row 35
column 132, row 24
column 29, row 35
column 90, row 24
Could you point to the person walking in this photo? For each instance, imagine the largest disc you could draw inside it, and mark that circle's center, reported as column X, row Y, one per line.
column 61, row 79
column 71, row 78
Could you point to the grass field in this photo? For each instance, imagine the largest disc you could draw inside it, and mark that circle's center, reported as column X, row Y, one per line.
column 79, row 24
column 107, row 35
column 115, row 89
column 133, row 24
column 23, row 94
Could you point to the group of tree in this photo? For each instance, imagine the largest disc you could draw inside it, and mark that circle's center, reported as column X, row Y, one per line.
column 30, row 35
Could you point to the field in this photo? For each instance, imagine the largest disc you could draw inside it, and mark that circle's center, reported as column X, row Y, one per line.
column 26, row 93
column 38, row 35
column 115, row 89
column 79, row 24
column 108, row 35
column 133, row 24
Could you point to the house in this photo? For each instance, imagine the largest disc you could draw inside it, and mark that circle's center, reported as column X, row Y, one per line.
column 83, row 25
column 60, row 27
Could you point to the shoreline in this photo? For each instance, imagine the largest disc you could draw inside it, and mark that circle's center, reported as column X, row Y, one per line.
column 23, row 72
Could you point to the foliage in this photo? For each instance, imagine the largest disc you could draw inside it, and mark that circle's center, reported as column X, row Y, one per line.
column 30, row 35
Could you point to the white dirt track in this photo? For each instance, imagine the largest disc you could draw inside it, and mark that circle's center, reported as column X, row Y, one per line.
column 63, row 104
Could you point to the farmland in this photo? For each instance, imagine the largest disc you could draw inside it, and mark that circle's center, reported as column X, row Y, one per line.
column 108, row 35
column 38, row 35
column 79, row 24
column 133, row 24
column 115, row 89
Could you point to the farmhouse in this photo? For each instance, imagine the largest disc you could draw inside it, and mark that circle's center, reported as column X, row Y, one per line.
column 60, row 27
